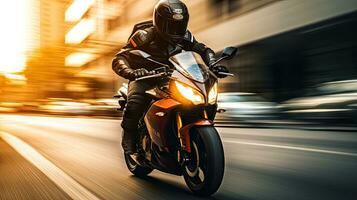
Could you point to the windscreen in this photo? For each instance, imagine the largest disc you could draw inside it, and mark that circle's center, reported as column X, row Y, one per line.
column 191, row 64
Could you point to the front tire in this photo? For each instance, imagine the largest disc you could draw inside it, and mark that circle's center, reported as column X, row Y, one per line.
column 135, row 168
column 203, row 174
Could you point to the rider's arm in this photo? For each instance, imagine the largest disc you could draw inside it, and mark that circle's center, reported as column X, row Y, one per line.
column 122, row 61
column 121, row 67
column 207, row 54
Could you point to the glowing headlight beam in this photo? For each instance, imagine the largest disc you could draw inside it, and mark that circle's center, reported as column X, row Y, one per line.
column 189, row 93
column 213, row 93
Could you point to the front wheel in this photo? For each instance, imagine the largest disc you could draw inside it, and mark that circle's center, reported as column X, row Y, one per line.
column 204, row 172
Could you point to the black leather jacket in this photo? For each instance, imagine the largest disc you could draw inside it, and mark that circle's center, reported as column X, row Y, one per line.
column 149, row 40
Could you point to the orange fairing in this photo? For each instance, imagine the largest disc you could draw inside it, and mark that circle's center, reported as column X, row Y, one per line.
column 166, row 103
column 185, row 132
column 158, row 119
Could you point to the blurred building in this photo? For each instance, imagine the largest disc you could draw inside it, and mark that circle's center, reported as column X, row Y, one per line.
column 89, row 46
column 45, row 71
column 289, row 47
column 44, row 49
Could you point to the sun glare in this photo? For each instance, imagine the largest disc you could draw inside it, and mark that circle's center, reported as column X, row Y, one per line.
column 13, row 16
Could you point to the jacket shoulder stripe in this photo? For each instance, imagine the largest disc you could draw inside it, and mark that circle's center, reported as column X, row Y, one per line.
column 132, row 42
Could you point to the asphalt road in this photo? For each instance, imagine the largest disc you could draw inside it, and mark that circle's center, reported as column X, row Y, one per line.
column 64, row 158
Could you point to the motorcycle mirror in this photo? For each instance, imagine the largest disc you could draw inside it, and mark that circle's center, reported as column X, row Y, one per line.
column 140, row 53
column 229, row 52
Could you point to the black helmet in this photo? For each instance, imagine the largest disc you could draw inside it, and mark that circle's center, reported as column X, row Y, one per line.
column 170, row 19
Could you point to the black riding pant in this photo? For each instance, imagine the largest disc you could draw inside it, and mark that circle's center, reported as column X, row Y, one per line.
column 138, row 102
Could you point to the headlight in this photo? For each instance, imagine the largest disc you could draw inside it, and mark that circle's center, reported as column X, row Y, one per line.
column 212, row 95
column 189, row 93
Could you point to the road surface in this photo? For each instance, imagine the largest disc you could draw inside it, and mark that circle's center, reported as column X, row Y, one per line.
column 80, row 158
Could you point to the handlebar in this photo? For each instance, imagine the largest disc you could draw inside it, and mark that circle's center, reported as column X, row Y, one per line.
column 157, row 73
column 162, row 74
column 164, row 71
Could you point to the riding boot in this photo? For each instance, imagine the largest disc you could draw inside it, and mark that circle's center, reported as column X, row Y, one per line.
column 129, row 142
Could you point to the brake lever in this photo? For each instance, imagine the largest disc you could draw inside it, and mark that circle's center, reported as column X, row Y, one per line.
column 226, row 74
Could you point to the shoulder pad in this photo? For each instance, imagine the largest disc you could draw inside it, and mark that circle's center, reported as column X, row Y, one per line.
column 123, row 51
column 189, row 37
column 141, row 37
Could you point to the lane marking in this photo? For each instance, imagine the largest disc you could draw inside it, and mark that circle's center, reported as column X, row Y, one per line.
column 73, row 129
column 294, row 148
column 59, row 177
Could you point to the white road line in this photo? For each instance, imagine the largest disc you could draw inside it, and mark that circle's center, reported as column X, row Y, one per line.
column 59, row 177
column 294, row 148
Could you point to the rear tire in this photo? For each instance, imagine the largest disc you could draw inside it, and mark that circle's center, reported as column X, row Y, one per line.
column 203, row 174
column 135, row 168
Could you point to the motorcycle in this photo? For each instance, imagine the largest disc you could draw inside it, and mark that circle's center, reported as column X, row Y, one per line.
column 177, row 133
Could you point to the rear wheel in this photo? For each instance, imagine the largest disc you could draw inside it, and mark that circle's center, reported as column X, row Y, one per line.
column 135, row 168
column 204, row 172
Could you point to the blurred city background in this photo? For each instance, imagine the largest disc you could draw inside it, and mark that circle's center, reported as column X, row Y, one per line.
column 289, row 126
column 296, row 57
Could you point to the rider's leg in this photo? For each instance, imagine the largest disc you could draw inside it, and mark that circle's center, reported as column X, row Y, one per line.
column 137, row 103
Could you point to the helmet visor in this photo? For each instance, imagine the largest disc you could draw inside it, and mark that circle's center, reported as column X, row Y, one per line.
column 172, row 27
column 176, row 27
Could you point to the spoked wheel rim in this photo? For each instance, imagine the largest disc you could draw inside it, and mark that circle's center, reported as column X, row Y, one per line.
column 131, row 162
column 135, row 168
column 196, row 169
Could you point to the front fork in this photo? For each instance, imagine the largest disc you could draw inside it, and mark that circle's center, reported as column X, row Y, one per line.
column 184, row 135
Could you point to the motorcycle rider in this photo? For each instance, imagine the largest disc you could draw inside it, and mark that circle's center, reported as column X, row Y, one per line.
column 167, row 36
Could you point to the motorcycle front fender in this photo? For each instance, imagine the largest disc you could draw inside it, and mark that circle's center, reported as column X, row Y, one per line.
column 185, row 132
